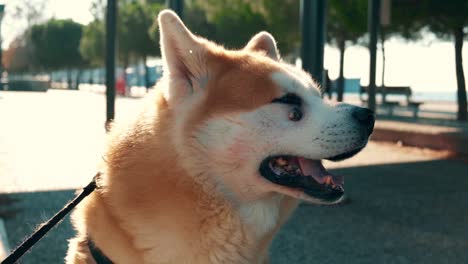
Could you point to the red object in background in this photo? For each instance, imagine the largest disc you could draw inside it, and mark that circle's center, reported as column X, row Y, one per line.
column 120, row 85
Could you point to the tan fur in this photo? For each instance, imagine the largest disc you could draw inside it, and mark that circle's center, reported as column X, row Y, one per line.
column 155, row 204
column 149, row 210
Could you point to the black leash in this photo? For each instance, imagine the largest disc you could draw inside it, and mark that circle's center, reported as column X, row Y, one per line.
column 97, row 254
column 44, row 228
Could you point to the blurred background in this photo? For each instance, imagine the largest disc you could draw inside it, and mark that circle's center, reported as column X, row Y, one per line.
column 70, row 67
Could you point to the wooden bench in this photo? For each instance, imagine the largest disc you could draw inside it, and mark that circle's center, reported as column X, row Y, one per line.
column 394, row 90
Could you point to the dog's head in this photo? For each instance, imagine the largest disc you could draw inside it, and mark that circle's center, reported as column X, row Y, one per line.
column 251, row 124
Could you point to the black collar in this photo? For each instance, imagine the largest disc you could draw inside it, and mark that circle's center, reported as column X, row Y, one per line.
column 97, row 254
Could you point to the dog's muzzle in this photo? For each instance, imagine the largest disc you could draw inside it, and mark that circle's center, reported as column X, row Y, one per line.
column 310, row 176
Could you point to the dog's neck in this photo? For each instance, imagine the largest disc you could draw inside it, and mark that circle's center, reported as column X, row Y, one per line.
column 262, row 216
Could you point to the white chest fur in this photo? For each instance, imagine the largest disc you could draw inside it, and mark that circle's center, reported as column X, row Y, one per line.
column 262, row 216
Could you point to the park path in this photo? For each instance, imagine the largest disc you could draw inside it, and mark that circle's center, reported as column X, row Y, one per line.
column 52, row 140
column 408, row 205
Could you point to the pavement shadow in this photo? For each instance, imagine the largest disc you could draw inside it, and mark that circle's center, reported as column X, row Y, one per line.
column 6, row 205
column 31, row 209
column 427, row 121
column 399, row 213
column 438, row 134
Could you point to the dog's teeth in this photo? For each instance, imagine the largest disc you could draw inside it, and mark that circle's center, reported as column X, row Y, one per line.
column 281, row 162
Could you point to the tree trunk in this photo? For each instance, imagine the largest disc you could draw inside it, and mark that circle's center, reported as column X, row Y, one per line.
column 69, row 79
column 147, row 81
column 77, row 79
column 91, row 77
column 382, row 43
column 461, row 90
column 340, row 86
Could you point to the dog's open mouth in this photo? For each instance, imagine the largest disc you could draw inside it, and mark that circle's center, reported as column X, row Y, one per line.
column 306, row 175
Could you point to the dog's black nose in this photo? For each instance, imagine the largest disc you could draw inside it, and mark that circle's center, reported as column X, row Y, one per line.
column 365, row 117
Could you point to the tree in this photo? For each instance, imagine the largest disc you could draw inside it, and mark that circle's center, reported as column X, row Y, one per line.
column 30, row 11
column 92, row 43
column 16, row 58
column 196, row 19
column 448, row 21
column 234, row 22
column 283, row 25
column 218, row 20
column 136, row 21
column 22, row 14
column 347, row 22
column 402, row 25
column 56, row 45
column 137, row 38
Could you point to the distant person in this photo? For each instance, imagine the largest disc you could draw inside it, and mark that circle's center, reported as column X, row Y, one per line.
column 121, row 85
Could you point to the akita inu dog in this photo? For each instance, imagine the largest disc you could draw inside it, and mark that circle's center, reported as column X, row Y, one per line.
column 227, row 146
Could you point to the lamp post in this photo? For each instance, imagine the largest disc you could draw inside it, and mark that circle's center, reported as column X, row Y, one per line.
column 111, row 21
column 373, row 25
column 2, row 12
column 313, row 26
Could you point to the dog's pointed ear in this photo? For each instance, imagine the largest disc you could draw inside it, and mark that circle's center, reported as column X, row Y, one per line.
column 184, row 57
column 265, row 42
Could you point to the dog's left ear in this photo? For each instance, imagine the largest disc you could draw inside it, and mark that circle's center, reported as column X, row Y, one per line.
column 184, row 56
column 265, row 42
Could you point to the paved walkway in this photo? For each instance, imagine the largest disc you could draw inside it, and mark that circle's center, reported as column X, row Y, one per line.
column 408, row 205
column 435, row 127
column 52, row 139
column 424, row 133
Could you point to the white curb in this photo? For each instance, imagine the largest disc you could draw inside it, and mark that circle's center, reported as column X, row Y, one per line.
column 4, row 247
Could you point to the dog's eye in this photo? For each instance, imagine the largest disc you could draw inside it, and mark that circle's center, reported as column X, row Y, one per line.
column 295, row 114
column 290, row 99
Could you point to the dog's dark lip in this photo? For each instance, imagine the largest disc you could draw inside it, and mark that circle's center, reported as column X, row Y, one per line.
column 323, row 192
column 345, row 155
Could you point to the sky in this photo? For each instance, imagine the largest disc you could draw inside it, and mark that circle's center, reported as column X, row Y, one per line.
column 78, row 10
column 426, row 66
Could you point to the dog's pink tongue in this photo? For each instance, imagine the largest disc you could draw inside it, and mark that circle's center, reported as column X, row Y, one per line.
column 315, row 169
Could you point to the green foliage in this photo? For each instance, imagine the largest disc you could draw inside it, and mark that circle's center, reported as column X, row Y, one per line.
column 440, row 17
column 196, row 19
column 92, row 45
column 347, row 20
column 134, row 33
column 445, row 20
column 135, row 36
column 56, row 44
column 283, row 22
column 233, row 22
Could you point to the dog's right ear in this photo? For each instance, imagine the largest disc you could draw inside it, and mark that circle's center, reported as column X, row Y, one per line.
column 264, row 42
column 183, row 55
